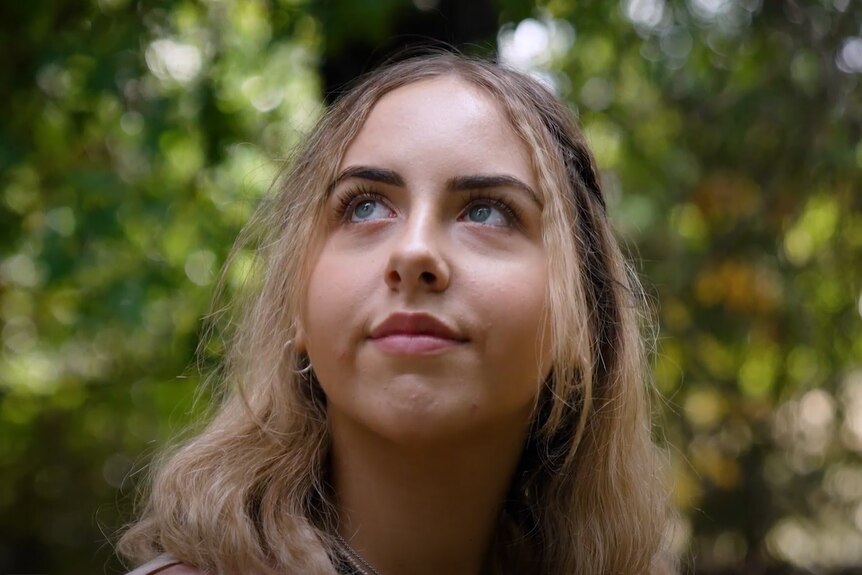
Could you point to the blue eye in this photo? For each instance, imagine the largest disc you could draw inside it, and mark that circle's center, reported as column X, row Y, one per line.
column 487, row 213
column 366, row 210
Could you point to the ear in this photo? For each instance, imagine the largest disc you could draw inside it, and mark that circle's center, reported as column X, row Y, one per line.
column 299, row 338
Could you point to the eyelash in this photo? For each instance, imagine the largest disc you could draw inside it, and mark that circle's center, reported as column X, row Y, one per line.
column 351, row 198
column 496, row 200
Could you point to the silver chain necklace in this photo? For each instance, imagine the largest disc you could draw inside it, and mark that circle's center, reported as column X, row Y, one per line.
column 355, row 560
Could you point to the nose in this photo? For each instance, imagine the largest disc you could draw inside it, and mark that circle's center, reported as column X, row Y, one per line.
column 417, row 259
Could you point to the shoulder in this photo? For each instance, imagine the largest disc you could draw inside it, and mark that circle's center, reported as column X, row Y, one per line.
column 165, row 565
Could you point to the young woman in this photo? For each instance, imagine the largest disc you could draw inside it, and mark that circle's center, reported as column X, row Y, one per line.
column 442, row 370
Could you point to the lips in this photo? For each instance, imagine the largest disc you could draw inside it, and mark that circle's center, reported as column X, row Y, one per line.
column 415, row 333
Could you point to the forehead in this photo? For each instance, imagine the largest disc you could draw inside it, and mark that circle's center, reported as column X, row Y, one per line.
column 442, row 124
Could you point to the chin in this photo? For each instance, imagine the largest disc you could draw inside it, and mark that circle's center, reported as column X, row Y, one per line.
column 422, row 410
column 419, row 420
column 408, row 425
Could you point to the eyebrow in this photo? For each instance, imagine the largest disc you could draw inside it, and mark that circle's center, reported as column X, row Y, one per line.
column 381, row 175
column 480, row 182
column 457, row 183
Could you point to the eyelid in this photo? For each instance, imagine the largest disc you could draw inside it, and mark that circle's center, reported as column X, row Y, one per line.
column 349, row 198
column 497, row 200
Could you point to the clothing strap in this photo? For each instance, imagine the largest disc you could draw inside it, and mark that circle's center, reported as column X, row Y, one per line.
column 158, row 564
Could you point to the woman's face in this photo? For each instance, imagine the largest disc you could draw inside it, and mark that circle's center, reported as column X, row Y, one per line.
column 424, row 317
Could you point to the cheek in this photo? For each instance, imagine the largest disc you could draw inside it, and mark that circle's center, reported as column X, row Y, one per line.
column 327, row 297
column 517, row 329
column 336, row 303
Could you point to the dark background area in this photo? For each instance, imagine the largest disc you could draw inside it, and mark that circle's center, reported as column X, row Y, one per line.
column 137, row 137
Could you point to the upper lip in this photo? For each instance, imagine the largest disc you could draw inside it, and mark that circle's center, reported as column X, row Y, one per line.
column 403, row 323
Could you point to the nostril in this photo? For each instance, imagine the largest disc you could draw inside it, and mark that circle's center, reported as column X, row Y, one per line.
column 427, row 278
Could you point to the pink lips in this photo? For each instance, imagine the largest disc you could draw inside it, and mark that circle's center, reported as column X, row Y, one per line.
column 415, row 333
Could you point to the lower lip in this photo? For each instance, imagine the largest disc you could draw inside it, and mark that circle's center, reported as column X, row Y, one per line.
column 415, row 344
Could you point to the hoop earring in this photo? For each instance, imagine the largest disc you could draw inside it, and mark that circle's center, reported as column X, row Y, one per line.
column 305, row 370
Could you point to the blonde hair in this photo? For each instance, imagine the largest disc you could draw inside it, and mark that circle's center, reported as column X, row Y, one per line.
column 250, row 494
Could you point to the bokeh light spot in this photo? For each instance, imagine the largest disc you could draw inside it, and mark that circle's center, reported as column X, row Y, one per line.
column 849, row 57
column 172, row 60
column 199, row 267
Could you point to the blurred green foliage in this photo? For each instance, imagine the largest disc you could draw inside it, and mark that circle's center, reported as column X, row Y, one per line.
column 139, row 135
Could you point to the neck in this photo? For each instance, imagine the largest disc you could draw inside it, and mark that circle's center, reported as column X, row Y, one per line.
column 423, row 510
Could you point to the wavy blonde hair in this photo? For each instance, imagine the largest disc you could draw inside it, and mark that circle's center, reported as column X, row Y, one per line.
column 249, row 493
